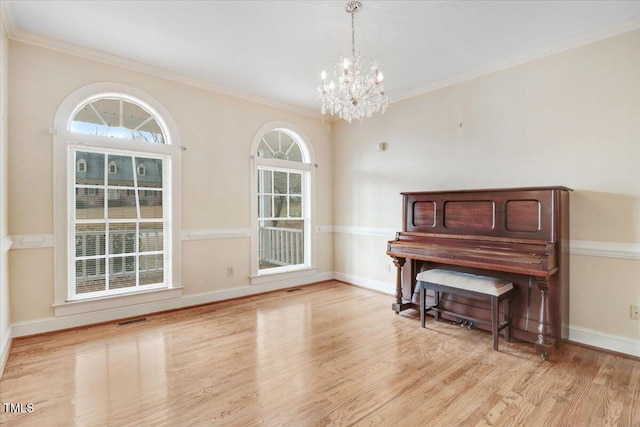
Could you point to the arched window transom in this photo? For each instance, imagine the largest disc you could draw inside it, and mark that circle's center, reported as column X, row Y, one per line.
column 279, row 144
column 117, row 118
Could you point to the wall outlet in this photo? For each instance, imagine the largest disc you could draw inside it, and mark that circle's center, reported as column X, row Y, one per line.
column 635, row 312
column 229, row 271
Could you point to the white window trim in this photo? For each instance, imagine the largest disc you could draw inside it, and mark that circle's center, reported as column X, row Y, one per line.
column 142, row 170
column 287, row 272
column 61, row 170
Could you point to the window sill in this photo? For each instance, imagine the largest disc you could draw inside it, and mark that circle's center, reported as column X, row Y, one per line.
column 116, row 301
column 283, row 275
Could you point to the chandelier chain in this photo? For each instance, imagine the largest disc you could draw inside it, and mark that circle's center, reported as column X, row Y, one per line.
column 353, row 32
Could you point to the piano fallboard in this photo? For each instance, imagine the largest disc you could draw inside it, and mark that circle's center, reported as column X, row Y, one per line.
column 531, row 257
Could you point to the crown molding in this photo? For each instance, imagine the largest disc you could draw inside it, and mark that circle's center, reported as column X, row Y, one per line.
column 625, row 26
column 133, row 65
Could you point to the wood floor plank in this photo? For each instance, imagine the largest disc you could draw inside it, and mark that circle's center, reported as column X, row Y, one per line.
column 327, row 354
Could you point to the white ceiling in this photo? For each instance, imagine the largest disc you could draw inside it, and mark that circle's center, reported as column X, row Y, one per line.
column 273, row 51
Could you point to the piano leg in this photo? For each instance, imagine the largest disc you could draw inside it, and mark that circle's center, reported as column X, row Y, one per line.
column 399, row 305
column 545, row 343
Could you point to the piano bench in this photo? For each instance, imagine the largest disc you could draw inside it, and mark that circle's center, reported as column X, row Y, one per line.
column 468, row 285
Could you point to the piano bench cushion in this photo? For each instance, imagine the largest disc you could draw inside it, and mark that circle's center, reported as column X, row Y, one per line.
column 470, row 282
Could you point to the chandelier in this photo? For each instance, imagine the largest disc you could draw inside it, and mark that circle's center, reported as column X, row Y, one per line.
column 359, row 92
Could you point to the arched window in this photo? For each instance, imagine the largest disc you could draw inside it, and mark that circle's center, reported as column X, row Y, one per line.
column 282, row 209
column 117, row 227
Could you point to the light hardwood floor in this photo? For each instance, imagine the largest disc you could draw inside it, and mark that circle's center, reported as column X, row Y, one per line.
column 327, row 354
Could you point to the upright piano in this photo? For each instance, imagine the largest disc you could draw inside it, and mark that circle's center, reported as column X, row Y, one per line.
column 516, row 234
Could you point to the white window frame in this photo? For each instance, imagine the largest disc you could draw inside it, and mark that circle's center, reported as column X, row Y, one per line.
column 308, row 182
column 64, row 175
column 142, row 170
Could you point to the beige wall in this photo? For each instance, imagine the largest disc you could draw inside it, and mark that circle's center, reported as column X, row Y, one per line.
column 4, row 221
column 569, row 119
column 217, row 130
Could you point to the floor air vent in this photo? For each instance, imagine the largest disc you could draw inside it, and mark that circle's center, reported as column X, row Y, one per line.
column 131, row 321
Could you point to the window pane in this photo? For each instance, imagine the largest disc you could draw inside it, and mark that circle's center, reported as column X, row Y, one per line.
column 90, row 240
column 279, row 206
column 295, row 207
column 280, row 183
column 90, row 121
column 89, row 203
column 264, row 207
column 93, row 173
column 122, row 238
column 90, row 276
column 122, row 272
column 264, row 150
column 150, row 203
column 152, row 172
column 294, row 153
column 123, row 169
column 133, row 115
column 120, row 205
column 151, row 237
column 151, row 269
column 265, row 178
column 108, row 111
column 150, row 132
column 280, row 243
column 295, row 183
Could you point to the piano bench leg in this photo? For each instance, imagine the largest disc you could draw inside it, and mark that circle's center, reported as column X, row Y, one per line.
column 507, row 319
column 423, row 306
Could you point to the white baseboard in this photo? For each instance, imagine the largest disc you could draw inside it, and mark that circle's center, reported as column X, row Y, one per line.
column 604, row 340
column 51, row 324
column 374, row 285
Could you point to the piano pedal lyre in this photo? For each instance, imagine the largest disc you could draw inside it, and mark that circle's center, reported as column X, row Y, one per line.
column 469, row 324
column 464, row 323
